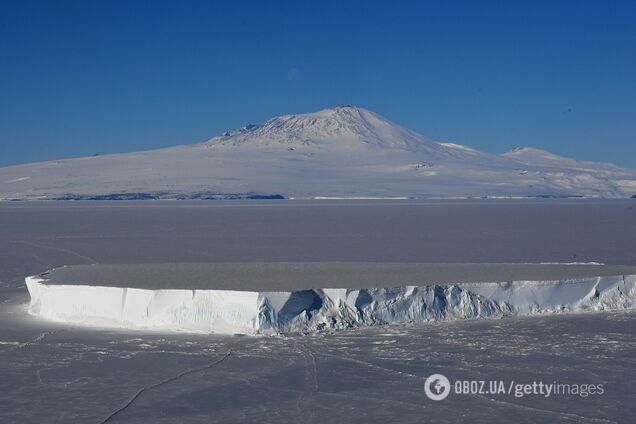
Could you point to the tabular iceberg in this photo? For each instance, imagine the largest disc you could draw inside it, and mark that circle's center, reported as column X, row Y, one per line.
column 255, row 312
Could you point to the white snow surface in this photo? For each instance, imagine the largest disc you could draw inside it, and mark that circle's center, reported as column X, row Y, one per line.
column 343, row 152
column 306, row 311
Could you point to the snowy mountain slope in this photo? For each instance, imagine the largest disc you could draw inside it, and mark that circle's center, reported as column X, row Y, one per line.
column 538, row 157
column 346, row 151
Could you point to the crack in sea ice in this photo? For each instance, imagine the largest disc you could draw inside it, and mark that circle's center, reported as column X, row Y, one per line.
column 145, row 389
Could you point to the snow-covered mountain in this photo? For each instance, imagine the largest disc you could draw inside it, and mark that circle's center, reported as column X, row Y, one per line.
column 345, row 152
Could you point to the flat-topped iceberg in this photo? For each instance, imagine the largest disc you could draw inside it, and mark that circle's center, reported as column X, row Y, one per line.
column 267, row 312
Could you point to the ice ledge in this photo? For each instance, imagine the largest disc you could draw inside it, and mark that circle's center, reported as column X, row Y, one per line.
column 250, row 312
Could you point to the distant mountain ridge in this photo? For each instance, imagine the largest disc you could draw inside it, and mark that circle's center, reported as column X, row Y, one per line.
column 342, row 152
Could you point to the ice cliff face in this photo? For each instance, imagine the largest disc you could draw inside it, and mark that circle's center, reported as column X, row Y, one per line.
column 226, row 311
column 345, row 151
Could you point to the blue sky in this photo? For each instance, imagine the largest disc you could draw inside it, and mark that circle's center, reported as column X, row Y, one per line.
column 82, row 77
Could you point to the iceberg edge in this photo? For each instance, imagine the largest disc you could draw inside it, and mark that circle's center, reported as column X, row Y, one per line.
column 311, row 310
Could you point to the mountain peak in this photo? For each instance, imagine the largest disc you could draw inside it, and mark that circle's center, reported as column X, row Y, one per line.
column 525, row 149
column 533, row 153
column 341, row 126
column 539, row 157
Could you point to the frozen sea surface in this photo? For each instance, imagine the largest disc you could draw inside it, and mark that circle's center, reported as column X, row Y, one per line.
column 59, row 374
column 39, row 236
column 54, row 373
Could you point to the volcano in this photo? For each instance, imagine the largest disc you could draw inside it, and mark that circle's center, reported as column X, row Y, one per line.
column 342, row 152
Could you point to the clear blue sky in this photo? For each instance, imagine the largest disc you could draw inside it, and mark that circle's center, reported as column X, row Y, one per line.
column 81, row 77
